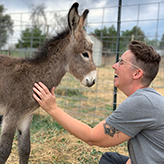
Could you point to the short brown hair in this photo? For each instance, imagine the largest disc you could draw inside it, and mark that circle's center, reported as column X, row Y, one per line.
column 146, row 58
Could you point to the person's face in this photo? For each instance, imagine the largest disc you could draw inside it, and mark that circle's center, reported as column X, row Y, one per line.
column 124, row 71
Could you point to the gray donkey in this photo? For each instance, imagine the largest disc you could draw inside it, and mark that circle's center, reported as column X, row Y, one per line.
column 70, row 51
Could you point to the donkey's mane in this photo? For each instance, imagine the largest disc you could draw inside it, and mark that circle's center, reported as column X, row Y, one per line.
column 42, row 53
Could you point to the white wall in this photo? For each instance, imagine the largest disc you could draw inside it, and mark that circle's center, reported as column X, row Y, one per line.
column 97, row 50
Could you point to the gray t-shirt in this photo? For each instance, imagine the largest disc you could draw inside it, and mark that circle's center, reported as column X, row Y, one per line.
column 141, row 116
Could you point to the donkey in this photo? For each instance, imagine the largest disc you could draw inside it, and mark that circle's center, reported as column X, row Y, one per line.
column 69, row 51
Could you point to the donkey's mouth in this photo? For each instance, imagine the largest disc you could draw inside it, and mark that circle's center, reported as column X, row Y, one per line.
column 90, row 84
column 89, row 79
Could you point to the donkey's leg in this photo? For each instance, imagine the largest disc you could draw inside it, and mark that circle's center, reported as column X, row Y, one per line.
column 7, row 134
column 23, row 135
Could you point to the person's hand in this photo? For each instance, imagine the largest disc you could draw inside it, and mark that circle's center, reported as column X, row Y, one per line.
column 46, row 99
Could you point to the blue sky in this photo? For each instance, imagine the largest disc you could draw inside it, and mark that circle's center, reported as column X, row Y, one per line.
column 17, row 6
column 129, row 12
column 24, row 5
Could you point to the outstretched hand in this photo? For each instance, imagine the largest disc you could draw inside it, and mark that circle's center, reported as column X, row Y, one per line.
column 46, row 99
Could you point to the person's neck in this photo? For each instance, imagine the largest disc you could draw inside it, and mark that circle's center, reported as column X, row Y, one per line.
column 133, row 89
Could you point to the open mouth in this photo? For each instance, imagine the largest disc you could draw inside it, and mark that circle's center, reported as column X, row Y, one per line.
column 115, row 75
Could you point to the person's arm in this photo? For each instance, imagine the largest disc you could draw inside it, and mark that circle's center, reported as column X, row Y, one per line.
column 102, row 134
column 129, row 161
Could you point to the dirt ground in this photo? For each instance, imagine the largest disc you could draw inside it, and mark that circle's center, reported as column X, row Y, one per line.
column 63, row 148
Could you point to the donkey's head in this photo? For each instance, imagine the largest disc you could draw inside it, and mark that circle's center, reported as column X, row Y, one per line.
column 80, row 60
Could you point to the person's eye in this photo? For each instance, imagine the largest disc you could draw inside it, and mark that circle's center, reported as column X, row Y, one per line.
column 121, row 61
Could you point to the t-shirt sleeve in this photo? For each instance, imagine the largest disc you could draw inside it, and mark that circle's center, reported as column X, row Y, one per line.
column 133, row 115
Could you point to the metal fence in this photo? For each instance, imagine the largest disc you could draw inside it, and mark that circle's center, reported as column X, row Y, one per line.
column 97, row 102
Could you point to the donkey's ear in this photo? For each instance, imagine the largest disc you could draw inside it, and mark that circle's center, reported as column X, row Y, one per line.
column 73, row 17
column 82, row 19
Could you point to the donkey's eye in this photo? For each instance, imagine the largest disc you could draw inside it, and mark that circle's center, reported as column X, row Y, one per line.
column 85, row 54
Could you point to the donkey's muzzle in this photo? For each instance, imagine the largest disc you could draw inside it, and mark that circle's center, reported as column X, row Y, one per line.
column 89, row 84
column 89, row 79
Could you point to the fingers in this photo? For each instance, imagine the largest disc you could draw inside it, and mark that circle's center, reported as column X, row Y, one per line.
column 52, row 91
column 41, row 90
column 36, row 98
column 42, row 86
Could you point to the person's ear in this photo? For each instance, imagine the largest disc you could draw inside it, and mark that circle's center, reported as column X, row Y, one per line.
column 138, row 74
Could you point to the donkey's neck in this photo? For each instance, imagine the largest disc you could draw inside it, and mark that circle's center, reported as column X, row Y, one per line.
column 49, row 72
column 49, row 63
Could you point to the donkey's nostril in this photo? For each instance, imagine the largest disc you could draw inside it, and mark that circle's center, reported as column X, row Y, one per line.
column 89, row 79
column 90, row 83
column 93, row 81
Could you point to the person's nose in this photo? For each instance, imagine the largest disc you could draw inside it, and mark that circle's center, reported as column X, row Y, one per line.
column 115, row 66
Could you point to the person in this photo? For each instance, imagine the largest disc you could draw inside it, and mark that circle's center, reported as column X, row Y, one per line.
column 138, row 119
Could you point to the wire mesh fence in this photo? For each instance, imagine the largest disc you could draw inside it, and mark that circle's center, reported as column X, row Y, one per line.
column 146, row 24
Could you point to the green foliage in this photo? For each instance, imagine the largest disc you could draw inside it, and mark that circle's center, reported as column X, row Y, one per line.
column 152, row 42
column 108, row 36
column 6, row 26
column 162, row 42
column 44, row 122
column 49, row 126
column 47, row 132
column 111, row 31
column 70, row 92
column 31, row 37
column 135, row 32
column 90, row 157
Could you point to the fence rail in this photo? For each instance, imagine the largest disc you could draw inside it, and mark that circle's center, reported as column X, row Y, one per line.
column 96, row 103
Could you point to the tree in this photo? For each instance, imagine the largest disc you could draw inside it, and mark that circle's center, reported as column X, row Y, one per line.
column 31, row 37
column 128, row 35
column 161, row 44
column 38, row 16
column 134, row 34
column 6, row 26
column 153, row 42
column 108, row 37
